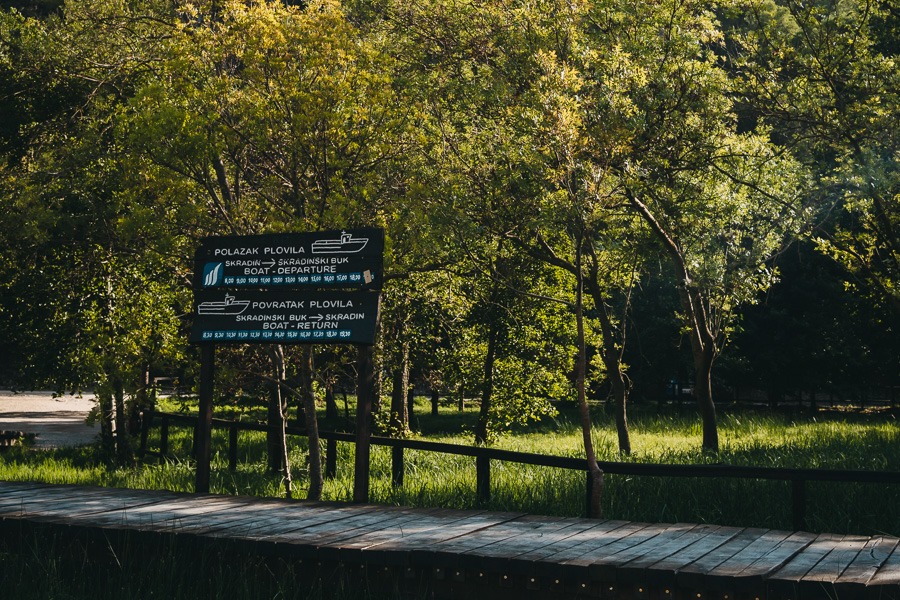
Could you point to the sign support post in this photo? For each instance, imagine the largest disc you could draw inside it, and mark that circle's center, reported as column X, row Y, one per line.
column 203, row 442
column 365, row 385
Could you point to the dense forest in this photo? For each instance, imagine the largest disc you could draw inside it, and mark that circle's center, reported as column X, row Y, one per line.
column 604, row 201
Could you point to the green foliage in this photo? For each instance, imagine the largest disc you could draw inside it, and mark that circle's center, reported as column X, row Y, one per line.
column 825, row 77
column 495, row 142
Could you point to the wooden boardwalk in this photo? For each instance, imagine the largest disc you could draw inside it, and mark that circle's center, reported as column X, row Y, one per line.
column 478, row 554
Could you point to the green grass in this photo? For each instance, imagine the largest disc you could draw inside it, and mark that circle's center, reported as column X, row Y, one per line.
column 839, row 440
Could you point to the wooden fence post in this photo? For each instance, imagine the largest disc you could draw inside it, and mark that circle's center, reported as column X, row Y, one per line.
column 164, row 438
column 482, row 479
column 589, row 490
column 798, row 496
column 232, row 447
column 397, row 467
column 146, row 423
column 330, row 458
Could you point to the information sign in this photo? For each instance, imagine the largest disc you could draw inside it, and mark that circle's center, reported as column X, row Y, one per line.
column 284, row 317
column 350, row 258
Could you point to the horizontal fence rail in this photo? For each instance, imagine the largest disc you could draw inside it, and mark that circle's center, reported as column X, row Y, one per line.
column 483, row 456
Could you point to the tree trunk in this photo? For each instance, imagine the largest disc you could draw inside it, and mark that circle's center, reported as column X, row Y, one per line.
column 436, row 397
column 461, row 401
column 378, row 381
column 107, row 428
column 703, row 339
column 399, row 422
column 278, row 412
column 703, row 363
column 274, row 417
column 594, row 471
column 331, row 407
column 487, row 388
column 610, row 352
column 410, row 404
column 346, row 404
column 620, row 397
column 123, row 442
column 141, row 401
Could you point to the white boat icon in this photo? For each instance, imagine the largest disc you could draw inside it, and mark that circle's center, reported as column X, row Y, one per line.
column 229, row 306
column 346, row 244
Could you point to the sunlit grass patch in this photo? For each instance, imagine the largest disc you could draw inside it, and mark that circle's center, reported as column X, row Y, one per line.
column 748, row 437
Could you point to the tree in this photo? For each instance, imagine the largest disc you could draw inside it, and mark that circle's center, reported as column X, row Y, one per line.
column 98, row 293
column 824, row 76
column 719, row 202
column 278, row 118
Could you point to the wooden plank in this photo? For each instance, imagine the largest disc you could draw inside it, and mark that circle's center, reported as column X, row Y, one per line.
column 638, row 535
column 803, row 563
column 317, row 534
column 162, row 515
column 38, row 493
column 416, row 539
column 863, row 568
column 761, row 546
column 40, row 490
column 472, row 522
column 10, row 487
column 780, row 555
column 275, row 523
column 550, row 543
column 535, row 538
column 786, row 579
column 492, row 548
column 347, row 544
column 472, row 541
column 836, row 562
column 663, row 573
column 747, row 570
column 888, row 574
column 589, row 530
column 692, row 576
column 388, row 524
column 417, row 527
column 591, row 541
column 660, row 564
column 452, row 551
column 56, row 503
column 654, row 547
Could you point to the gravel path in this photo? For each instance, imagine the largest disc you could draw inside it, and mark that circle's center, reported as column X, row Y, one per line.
column 57, row 422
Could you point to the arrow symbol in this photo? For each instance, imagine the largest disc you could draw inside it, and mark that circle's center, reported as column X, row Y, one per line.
column 317, row 317
column 269, row 264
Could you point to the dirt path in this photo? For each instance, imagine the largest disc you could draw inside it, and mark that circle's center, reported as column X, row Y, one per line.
column 57, row 422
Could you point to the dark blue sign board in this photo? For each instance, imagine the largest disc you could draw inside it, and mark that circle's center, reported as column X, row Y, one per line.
column 284, row 317
column 344, row 259
column 288, row 288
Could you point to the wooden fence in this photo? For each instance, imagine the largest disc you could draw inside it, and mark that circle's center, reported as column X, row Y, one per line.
column 483, row 457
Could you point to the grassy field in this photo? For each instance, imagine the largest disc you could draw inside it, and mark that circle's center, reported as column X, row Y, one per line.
column 827, row 439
